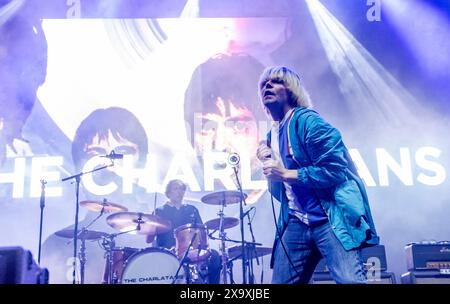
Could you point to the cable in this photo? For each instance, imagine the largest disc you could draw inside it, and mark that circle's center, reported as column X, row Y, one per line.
column 279, row 232
column 253, row 217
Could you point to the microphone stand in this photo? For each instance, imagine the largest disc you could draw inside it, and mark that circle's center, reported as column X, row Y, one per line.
column 41, row 220
column 183, row 260
column 253, row 247
column 241, row 217
column 77, row 178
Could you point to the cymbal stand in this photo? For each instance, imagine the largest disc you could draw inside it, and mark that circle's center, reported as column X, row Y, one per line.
column 93, row 221
column 229, row 264
column 223, row 238
column 82, row 253
column 100, row 215
column 42, row 206
column 230, row 271
column 82, row 256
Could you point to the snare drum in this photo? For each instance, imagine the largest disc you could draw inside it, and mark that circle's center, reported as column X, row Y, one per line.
column 152, row 266
column 199, row 250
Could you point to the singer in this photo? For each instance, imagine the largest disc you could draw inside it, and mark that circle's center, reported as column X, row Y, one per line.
column 179, row 213
column 324, row 206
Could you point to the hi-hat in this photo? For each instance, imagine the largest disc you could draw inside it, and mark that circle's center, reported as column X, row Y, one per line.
column 107, row 207
column 250, row 253
column 140, row 222
column 82, row 234
column 228, row 222
column 223, row 198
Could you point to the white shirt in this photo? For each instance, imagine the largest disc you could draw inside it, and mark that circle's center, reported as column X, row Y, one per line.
column 293, row 203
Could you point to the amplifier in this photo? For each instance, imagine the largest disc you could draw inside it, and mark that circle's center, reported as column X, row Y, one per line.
column 420, row 256
column 426, row 277
column 18, row 267
column 374, row 259
column 325, row 278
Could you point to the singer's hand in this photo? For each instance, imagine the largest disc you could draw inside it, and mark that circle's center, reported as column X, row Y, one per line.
column 274, row 171
column 263, row 152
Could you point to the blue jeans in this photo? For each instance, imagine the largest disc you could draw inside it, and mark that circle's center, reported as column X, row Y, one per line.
column 306, row 246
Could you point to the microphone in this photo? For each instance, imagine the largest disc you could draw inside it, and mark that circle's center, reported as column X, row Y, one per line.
column 234, row 159
column 264, row 143
column 113, row 155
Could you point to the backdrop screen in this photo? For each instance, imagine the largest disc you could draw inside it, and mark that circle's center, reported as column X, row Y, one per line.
column 177, row 96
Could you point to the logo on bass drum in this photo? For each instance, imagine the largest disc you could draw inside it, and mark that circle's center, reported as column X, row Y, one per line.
column 153, row 279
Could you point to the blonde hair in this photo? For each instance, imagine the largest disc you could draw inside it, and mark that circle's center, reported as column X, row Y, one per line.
column 291, row 80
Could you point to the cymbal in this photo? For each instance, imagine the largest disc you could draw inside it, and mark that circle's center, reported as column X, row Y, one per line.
column 149, row 224
column 228, row 222
column 97, row 206
column 223, row 197
column 82, row 234
column 236, row 251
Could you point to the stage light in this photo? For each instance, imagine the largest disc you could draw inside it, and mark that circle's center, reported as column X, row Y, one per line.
column 9, row 10
column 425, row 30
column 191, row 9
column 369, row 89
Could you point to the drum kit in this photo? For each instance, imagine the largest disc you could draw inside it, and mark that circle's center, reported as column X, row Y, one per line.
column 155, row 265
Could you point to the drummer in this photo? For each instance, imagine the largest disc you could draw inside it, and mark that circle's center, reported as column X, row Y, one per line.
column 179, row 213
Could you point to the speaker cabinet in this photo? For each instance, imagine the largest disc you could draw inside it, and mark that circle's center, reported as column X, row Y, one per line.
column 18, row 267
column 325, row 278
column 426, row 277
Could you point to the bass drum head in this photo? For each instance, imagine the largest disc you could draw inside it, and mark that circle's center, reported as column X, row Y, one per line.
column 152, row 266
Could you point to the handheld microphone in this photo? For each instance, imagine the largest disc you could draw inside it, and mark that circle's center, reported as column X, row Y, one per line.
column 234, row 159
column 265, row 143
column 113, row 155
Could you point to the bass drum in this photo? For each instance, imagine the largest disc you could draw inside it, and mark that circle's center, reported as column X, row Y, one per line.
column 152, row 266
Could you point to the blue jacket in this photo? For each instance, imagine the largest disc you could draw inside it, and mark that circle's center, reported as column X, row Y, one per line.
column 325, row 165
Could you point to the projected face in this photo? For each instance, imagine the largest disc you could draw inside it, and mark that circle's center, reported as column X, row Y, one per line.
column 230, row 128
column 113, row 142
column 111, row 129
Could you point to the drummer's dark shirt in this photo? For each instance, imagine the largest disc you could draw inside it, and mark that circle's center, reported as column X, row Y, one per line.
column 187, row 214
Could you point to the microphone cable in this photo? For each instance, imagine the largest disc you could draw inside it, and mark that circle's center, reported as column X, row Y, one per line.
column 279, row 232
column 277, row 229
